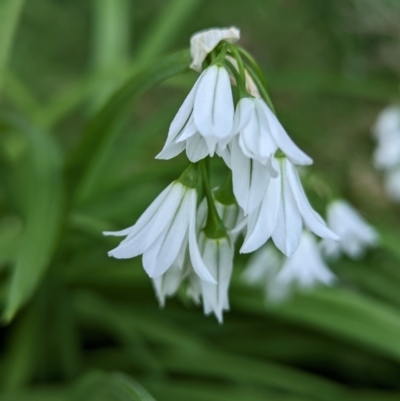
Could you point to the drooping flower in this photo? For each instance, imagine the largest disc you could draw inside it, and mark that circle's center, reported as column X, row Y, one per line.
column 262, row 266
column 261, row 133
column 355, row 233
column 278, row 274
column 204, row 42
column 162, row 231
column 304, row 269
column 217, row 254
column 205, row 118
column 282, row 213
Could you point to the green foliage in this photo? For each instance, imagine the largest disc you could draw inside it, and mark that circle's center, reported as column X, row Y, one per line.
column 87, row 97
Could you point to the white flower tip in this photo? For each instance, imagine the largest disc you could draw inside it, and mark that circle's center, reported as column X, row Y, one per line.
column 204, row 42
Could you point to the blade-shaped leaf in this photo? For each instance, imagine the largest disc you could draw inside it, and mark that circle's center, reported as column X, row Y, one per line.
column 42, row 215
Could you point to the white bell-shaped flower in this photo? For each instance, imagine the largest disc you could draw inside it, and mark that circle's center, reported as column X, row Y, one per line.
column 282, row 213
column 162, row 231
column 217, row 254
column 304, row 269
column 387, row 153
column 205, row 118
column 204, row 42
column 262, row 266
column 355, row 233
column 261, row 133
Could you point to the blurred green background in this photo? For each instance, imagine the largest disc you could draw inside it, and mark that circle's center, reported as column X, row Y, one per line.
column 82, row 117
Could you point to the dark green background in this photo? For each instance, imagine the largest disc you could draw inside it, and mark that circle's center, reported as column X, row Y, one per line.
column 76, row 159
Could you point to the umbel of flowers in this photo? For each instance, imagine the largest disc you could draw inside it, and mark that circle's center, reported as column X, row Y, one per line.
column 187, row 236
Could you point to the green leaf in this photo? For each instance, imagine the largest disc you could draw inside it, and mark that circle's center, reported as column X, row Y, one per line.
column 110, row 43
column 99, row 386
column 334, row 311
column 100, row 132
column 10, row 11
column 165, row 29
column 43, row 198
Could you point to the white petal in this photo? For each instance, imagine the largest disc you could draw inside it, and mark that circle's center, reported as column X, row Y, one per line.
column 305, row 268
column 160, row 256
column 218, row 256
column 183, row 114
column 255, row 138
column 243, row 114
column 288, row 227
column 195, row 257
column 196, row 148
column 250, row 179
column 288, row 147
column 202, row 43
column 150, row 225
column 213, row 104
column 189, row 130
column 225, row 154
column 262, row 221
column 171, row 150
column 262, row 266
column 167, row 284
column 211, row 143
column 311, row 219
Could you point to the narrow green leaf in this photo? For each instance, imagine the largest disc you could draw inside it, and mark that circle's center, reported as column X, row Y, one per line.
column 43, row 196
column 99, row 386
column 165, row 29
column 89, row 154
column 337, row 312
column 10, row 11
column 22, row 350
column 110, row 45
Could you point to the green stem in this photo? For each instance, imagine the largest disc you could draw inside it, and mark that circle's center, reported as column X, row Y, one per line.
column 214, row 227
column 236, row 56
column 241, row 84
column 261, row 87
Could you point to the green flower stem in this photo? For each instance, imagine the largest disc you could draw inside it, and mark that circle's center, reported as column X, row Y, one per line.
column 221, row 56
column 254, row 65
column 261, row 87
column 214, row 226
column 236, row 56
column 241, row 84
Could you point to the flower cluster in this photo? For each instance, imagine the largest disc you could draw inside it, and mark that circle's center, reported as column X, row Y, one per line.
column 187, row 235
column 387, row 153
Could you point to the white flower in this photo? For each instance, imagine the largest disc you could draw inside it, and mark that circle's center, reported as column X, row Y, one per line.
column 282, row 213
column 217, row 254
column 262, row 266
column 204, row 42
column 388, row 122
column 162, row 231
column 355, row 233
column 261, row 133
column 205, row 118
column 392, row 184
column 305, row 268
